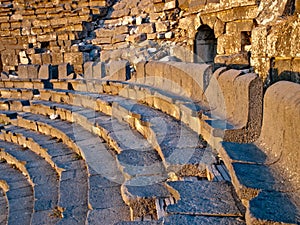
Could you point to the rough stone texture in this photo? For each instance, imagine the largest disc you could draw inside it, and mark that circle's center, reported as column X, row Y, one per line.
column 266, row 172
column 204, row 198
column 279, row 136
column 202, row 220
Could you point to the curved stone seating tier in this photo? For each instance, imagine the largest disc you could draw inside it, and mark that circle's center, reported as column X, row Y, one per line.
column 19, row 192
column 73, row 187
column 203, row 100
column 266, row 172
column 102, row 167
column 146, row 162
column 220, row 113
column 263, row 173
column 42, row 176
column 169, row 137
column 104, row 103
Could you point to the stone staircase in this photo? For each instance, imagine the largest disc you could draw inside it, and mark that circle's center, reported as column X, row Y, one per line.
column 96, row 158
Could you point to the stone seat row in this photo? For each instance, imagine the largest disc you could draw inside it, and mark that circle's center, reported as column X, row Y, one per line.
column 27, row 124
column 249, row 192
column 80, row 183
column 116, row 136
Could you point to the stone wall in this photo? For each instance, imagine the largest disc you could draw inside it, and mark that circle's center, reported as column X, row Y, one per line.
column 258, row 34
column 47, row 32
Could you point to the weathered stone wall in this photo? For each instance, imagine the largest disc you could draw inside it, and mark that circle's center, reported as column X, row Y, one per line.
column 47, row 32
column 261, row 34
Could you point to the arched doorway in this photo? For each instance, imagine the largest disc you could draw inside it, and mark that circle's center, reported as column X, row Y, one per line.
column 205, row 46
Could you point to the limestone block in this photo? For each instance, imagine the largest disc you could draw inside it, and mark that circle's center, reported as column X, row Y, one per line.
column 33, row 71
column 147, row 28
column 78, row 58
column 137, row 38
column 99, row 70
column 119, row 38
column 45, row 72
column 171, row 4
column 121, row 30
column 88, row 70
column 36, row 58
column 118, row 70
column 259, row 41
column 46, row 58
column 65, row 71
column 23, row 71
column 162, row 26
column 23, row 57
column 186, row 23
column 229, row 44
column 104, row 33
column 281, row 112
column 9, row 58
column 236, row 27
column 57, row 58
column 219, row 28
column 120, row 13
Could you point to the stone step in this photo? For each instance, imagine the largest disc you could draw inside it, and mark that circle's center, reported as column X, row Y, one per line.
column 19, row 93
column 73, row 186
column 19, row 194
column 257, row 184
column 43, row 177
column 201, row 220
column 205, row 198
column 152, row 124
column 100, row 162
column 136, row 157
column 3, row 206
column 141, row 194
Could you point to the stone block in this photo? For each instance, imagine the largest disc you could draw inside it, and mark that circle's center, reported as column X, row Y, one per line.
column 65, row 71
column 76, row 58
column 147, row 28
column 137, row 38
column 162, row 26
column 45, row 72
column 88, row 70
column 33, row 71
column 36, row 59
column 23, row 71
column 279, row 131
column 99, row 70
column 57, row 58
column 119, row 38
column 119, row 70
column 46, row 58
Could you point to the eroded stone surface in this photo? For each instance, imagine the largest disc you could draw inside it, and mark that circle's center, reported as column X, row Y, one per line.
column 204, row 198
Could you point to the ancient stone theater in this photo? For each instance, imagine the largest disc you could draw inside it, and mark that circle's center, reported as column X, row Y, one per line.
column 150, row 112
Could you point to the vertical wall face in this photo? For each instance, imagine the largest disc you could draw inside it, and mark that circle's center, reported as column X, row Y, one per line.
column 280, row 131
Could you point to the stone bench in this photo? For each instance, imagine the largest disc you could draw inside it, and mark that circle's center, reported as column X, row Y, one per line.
column 191, row 93
column 102, row 167
column 42, row 176
column 20, row 203
column 266, row 172
column 65, row 162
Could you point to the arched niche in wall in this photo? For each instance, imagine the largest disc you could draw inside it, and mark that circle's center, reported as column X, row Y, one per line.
column 205, row 45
